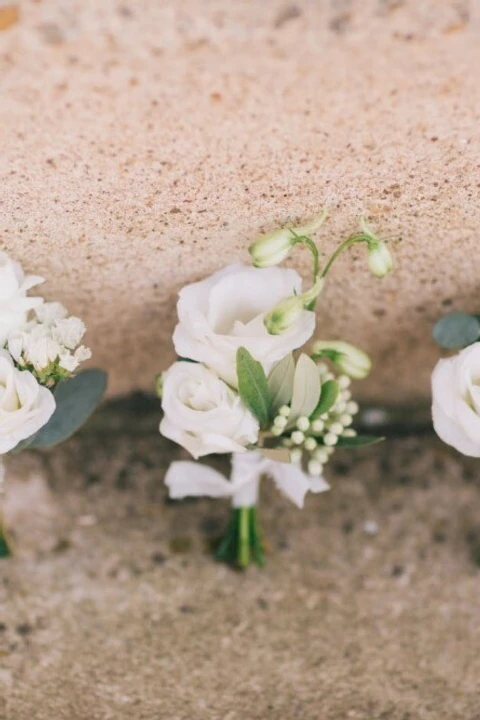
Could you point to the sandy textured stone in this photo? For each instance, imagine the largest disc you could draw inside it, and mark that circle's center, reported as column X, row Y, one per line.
column 144, row 144
column 113, row 607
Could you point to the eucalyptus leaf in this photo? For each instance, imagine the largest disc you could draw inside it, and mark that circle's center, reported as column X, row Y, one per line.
column 76, row 399
column 456, row 330
column 358, row 441
column 280, row 383
column 277, row 454
column 306, row 389
column 253, row 386
column 328, row 397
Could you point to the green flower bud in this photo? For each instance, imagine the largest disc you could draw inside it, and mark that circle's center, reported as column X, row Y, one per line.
column 272, row 248
column 380, row 260
column 348, row 358
column 283, row 315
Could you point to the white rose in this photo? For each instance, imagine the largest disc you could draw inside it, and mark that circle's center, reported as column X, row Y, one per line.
column 226, row 311
column 25, row 405
column 456, row 400
column 202, row 413
column 14, row 305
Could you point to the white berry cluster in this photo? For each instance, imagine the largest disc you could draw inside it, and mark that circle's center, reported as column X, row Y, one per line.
column 312, row 440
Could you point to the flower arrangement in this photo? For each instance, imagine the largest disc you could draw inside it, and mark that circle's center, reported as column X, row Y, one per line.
column 42, row 398
column 456, row 383
column 240, row 386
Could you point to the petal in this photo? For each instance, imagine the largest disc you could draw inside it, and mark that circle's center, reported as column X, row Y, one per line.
column 452, row 433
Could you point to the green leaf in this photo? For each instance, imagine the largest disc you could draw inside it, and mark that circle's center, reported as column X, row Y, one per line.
column 280, row 383
column 253, row 386
column 328, row 398
column 76, row 399
column 358, row 441
column 306, row 389
column 277, row 454
column 456, row 330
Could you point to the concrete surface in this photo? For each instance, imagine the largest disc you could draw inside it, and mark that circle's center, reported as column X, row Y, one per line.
column 114, row 609
column 144, row 144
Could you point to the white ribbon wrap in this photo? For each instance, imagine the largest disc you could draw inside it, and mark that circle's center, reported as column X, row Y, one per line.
column 191, row 479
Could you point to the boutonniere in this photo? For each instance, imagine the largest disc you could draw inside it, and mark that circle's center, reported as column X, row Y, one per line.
column 456, row 383
column 242, row 385
column 43, row 398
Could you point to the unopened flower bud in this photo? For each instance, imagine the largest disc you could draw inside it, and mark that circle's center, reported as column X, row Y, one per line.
column 336, row 428
column 272, row 248
column 321, row 455
column 280, row 422
column 314, row 468
column 352, row 407
column 283, row 315
column 296, row 456
column 310, row 444
column 317, row 426
column 349, row 359
column 303, row 423
column 330, row 439
column 284, row 411
column 298, row 437
column 349, row 432
column 380, row 260
column 346, row 419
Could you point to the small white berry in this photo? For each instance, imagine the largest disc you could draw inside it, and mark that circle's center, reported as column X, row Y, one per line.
column 340, row 406
column 276, row 430
column 296, row 456
column 335, row 428
column 330, row 439
column 346, row 419
column 284, row 411
column 317, row 426
column 349, row 432
column 352, row 408
column 310, row 444
column 303, row 423
column 280, row 421
column 344, row 382
column 321, row 455
column 314, row 468
column 329, row 450
column 298, row 437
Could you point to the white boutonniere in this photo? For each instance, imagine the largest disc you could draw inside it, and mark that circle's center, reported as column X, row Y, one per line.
column 42, row 398
column 243, row 386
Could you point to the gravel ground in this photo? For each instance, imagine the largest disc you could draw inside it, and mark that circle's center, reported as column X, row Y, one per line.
column 368, row 607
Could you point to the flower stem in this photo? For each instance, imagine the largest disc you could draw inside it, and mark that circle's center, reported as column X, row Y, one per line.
column 243, row 557
column 5, row 548
column 352, row 240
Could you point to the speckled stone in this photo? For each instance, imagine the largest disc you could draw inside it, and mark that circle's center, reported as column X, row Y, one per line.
column 144, row 144
column 113, row 609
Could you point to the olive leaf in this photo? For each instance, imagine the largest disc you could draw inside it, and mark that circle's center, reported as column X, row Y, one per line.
column 328, row 397
column 306, row 389
column 277, row 454
column 358, row 441
column 253, row 386
column 76, row 399
column 280, row 383
column 456, row 330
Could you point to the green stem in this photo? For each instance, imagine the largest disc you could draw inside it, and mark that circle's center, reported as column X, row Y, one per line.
column 308, row 242
column 255, row 539
column 243, row 557
column 352, row 240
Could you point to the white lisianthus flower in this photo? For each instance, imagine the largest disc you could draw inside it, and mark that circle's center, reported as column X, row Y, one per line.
column 456, row 400
column 227, row 310
column 25, row 405
column 203, row 414
column 14, row 303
